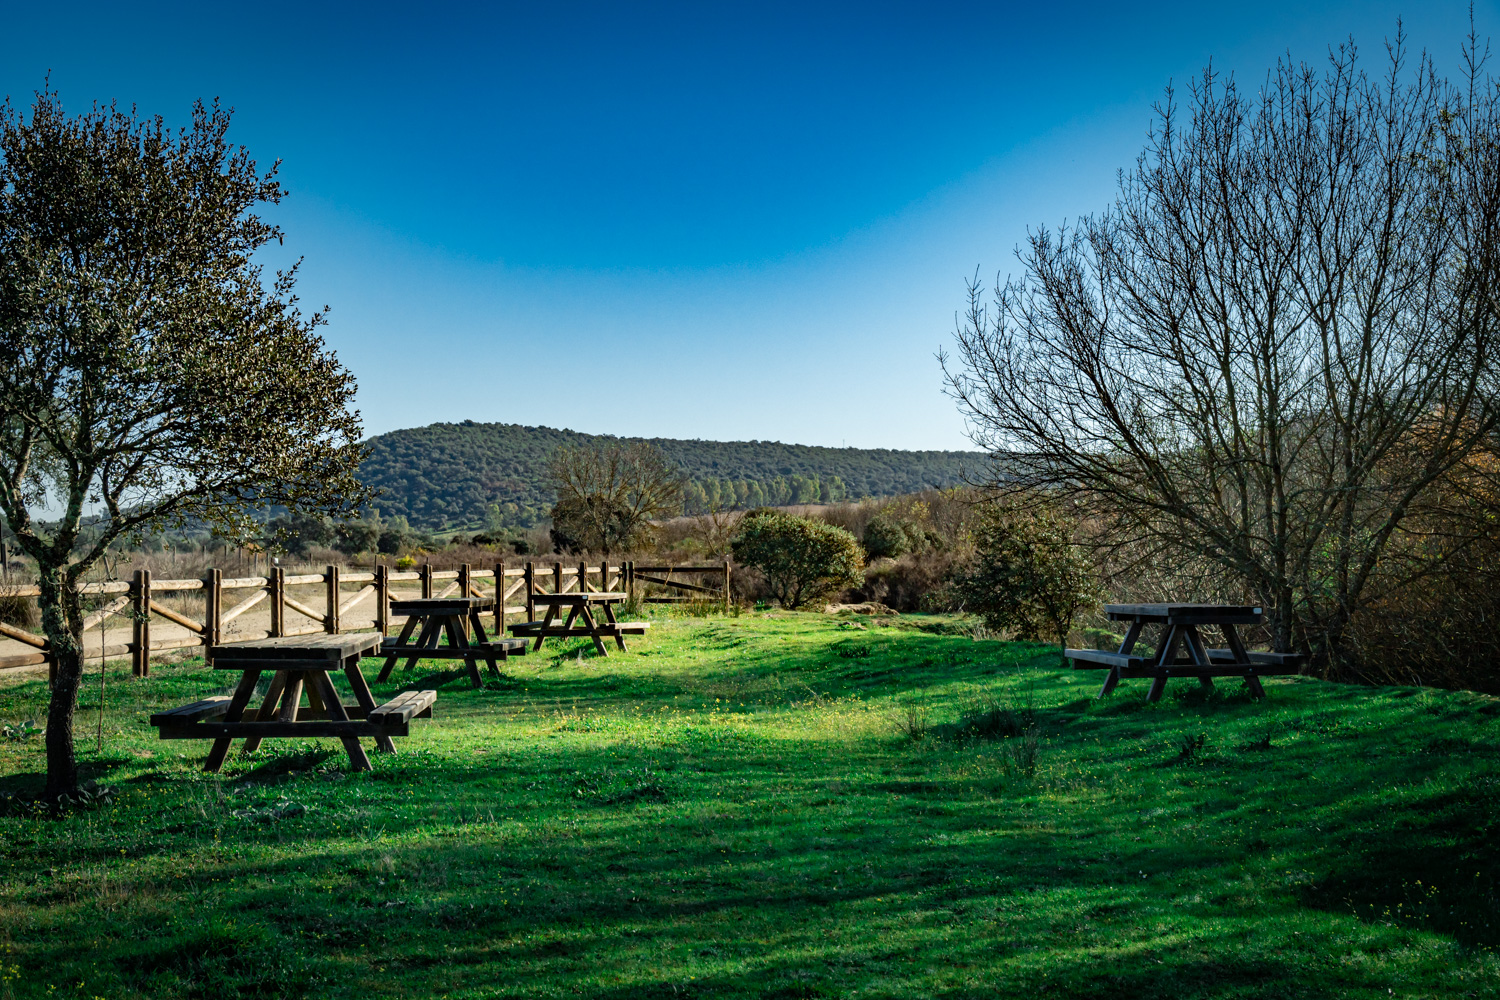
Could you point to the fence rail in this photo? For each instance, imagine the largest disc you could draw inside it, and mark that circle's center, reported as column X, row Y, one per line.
column 138, row 600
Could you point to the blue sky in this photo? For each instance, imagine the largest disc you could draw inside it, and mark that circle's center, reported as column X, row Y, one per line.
column 689, row 220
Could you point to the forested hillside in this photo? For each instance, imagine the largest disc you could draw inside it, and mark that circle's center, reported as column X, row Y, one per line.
column 467, row 475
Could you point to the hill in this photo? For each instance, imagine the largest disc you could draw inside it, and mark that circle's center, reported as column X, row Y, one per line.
column 449, row 475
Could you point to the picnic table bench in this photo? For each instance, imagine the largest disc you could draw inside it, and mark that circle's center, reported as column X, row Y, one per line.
column 580, row 610
column 1181, row 651
column 299, row 664
column 453, row 617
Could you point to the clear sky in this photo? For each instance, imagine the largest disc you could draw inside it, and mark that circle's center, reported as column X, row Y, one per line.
column 696, row 220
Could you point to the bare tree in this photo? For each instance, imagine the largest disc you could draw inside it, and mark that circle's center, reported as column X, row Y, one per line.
column 1276, row 346
column 145, row 368
column 608, row 493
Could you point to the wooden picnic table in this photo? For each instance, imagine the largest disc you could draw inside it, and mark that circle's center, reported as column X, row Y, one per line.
column 299, row 663
column 580, row 606
column 1181, row 651
column 453, row 617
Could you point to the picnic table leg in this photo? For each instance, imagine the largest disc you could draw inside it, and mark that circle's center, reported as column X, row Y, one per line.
column 267, row 709
column 319, row 682
column 546, row 620
column 365, row 698
column 1112, row 678
column 390, row 661
column 236, row 709
column 588, row 620
column 432, row 630
column 1111, row 681
column 609, row 614
column 291, row 698
column 1165, row 657
column 572, row 617
column 1199, row 654
column 1237, row 647
column 482, row 638
column 457, row 639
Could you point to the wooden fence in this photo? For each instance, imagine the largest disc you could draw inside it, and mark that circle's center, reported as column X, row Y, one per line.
column 137, row 599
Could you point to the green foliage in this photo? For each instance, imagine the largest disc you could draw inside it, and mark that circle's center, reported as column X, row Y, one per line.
column 450, row 475
column 353, row 537
column 887, row 537
column 1028, row 576
column 151, row 369
column 804, row 560
column 298, row 533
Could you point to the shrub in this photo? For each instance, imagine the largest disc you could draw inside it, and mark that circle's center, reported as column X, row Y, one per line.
column 917, row 581
column 803, row 560
column 17, row 610
column 1028, row 576
column 886, row 537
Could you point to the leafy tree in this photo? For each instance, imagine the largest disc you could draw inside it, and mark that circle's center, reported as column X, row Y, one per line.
column 804, row 559
column 395, row 535
column 608, row 493
column 1028, row 576
column 1274, row 348
column 149, row 371
column 298, row 533
column 353, row 537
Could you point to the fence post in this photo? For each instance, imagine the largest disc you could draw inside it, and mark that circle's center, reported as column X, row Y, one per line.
column 140, row 624
column 426, row 572
column 530, row 579
column 465, row 593
column 500, row 599
column 213, row 609
column 726, row 586
column 382, row 599
column 604, row 575
column 557, row 584
column 331, row 579
column 277, row 586
column 630, row 578
column 583, row 577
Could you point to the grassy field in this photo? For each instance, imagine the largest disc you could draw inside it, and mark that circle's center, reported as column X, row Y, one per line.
column 749, row 806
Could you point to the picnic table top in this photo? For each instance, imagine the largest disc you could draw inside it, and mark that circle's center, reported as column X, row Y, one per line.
column 1187, row 614
column 603, row 597
column 440, row 605
column 323, row 646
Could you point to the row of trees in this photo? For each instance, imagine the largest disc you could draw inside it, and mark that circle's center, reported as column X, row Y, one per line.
column 711, row 494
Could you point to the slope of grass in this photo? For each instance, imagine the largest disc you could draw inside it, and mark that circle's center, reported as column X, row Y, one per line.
column 737, row 808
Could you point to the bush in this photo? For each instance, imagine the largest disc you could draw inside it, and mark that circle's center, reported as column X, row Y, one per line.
column 917, row 581
column 1028, row 576
column 803, row 560
column 17, row 610
column 886, row 537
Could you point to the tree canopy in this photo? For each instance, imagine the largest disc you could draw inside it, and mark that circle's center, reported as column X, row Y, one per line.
column 151, row 372
column 1276, row 349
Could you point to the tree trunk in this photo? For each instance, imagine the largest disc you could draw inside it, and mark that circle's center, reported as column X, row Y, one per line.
column 62, row 623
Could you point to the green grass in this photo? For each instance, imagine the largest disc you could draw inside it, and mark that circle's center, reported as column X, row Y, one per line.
column 732, row 809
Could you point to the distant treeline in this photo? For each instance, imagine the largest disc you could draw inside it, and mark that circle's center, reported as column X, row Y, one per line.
column 472, row 475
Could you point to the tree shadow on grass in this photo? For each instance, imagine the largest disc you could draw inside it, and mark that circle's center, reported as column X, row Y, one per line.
column 96, row 768
column 1434, row 866
column 284, row 764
